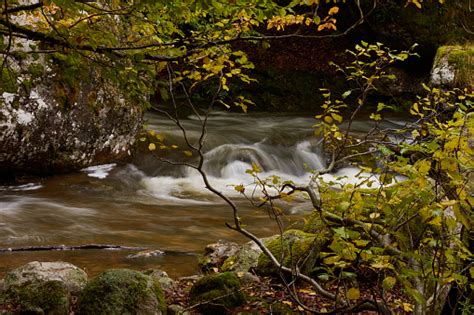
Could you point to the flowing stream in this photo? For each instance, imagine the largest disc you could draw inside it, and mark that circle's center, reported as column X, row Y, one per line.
column 155, row 205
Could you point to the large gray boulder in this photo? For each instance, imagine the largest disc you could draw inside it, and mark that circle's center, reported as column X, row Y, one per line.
column 61, row 112
column 43, row 287
column 56, row 128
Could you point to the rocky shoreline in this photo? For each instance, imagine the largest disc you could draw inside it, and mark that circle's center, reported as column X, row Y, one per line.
column 228, row 269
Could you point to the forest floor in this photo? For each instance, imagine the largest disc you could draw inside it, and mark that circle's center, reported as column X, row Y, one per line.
column 269, row 296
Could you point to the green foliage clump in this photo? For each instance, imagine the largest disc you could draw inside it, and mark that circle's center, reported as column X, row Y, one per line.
column 217, row 293
column 406, row 221
column 122, row 291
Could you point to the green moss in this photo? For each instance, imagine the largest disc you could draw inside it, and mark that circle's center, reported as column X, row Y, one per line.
column 122, row 291
column 35, row 70
column 296, row 248
column 7, row 80
column 217, row 293
column 462, row 57
column 49, row 297
column 19, row 55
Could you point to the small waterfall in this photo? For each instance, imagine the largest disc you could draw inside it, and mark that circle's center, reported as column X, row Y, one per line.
column 281, row 146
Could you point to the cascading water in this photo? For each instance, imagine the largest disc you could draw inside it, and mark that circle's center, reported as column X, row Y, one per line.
column 155, row 205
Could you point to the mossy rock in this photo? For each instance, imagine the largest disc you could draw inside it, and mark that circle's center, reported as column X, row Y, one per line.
column 50, row 297
column 300, row 249
column 42, row 287
column 454, row 66
column 162, row 277
column 216, row 253
column 246, row 257
column 122, row 291
column 217, row 293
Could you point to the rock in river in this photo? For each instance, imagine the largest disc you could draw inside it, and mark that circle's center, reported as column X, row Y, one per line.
column 59, row 115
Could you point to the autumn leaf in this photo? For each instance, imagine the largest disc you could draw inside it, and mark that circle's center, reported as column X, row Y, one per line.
column 333, row 10
column 353, row 294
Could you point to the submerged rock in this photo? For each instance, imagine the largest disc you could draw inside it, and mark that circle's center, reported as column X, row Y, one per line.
column 43, row 287
column 217, row 293
column 122, row 291
column 147, row 254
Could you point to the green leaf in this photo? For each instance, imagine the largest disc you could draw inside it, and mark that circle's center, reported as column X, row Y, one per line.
column 343, row 206
column 336, row 117
column 346, row 94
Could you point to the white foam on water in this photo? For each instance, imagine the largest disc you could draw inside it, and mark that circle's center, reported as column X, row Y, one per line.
column 99, row 171
column 24, row 187
column 191, row 189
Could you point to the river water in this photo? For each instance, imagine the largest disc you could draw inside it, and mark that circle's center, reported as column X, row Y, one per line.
column 154, row 205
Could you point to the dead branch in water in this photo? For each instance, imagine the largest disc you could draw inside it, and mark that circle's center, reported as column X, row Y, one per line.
column 64, row 247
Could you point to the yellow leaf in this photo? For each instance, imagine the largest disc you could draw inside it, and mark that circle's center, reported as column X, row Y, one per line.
column 407, row 307
column 311, row 292
column 436, row 221
column 353, row 294
column 160, row 137
column 417, row 3
column 256, row 168
column 374, row 215
column 152, row 147
column 333, row 10
column 423, row 166
column 240, row 188
column 328, row 119
column 188, row 153
column 336, row 117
